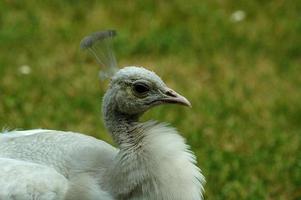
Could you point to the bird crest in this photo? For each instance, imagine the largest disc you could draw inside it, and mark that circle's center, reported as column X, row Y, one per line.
column 99, row 44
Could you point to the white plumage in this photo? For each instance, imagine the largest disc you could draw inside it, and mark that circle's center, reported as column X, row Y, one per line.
column 58, row 165
column 28, row 180
column 152, row 161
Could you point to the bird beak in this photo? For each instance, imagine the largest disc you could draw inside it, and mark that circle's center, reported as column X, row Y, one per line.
column 170, row 96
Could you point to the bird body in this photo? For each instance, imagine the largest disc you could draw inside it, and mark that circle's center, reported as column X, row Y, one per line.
column 152, row 161
column 158, row 166
column 73, row 159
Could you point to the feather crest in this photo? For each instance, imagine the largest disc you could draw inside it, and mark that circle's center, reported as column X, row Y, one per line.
column 99, row 44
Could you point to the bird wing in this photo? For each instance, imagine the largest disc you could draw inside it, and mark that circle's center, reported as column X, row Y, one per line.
column 66, row 152
column 24, row 180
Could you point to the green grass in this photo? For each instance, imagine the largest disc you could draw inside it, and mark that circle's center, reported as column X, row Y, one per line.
column 243, row 79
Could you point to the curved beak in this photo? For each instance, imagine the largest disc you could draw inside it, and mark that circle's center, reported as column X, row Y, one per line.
column 170, row 96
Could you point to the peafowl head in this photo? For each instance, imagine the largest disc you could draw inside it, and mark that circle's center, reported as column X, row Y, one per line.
column 133, row 90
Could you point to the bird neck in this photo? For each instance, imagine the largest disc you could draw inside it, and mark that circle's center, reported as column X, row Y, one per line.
column 153, row 163
column 120, row 125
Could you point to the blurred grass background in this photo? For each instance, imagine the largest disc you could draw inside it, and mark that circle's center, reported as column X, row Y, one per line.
column 237, row 61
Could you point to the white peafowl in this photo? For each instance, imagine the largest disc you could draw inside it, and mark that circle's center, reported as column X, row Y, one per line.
column 152, row 161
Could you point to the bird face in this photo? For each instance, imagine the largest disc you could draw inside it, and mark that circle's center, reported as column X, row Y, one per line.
column 135, row 90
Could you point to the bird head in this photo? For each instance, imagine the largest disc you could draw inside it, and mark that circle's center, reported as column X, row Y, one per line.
column 134, row 90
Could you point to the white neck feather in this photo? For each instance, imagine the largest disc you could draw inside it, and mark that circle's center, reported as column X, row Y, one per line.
column 155, row 164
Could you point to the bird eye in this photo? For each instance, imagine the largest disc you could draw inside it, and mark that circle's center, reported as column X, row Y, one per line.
column 141, row 88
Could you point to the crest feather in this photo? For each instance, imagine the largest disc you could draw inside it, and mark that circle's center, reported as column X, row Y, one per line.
column 99, row 44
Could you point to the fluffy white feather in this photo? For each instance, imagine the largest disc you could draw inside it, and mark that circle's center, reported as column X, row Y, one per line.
column 25, row 181
column 159, row 167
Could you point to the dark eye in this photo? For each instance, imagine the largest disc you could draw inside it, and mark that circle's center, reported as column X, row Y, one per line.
column 141, row 88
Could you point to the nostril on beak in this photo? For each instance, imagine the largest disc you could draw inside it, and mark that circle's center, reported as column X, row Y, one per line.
column 171, row 93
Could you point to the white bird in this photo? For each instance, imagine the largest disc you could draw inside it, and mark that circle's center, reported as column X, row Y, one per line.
column 152, row 161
